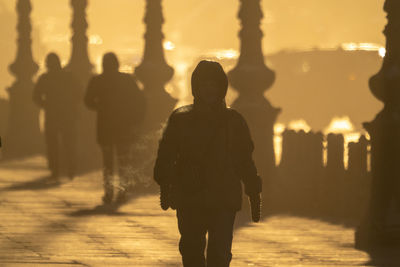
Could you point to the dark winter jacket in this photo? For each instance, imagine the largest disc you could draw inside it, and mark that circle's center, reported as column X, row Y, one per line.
column 120, row 107
column 206, row 157
column 57, row 93
column 206, row 149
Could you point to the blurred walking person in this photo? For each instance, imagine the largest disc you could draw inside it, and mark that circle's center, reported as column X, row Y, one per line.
column 56, row 92
column 120, row 107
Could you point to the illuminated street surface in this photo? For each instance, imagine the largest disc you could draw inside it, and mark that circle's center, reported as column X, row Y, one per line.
column 57, row 225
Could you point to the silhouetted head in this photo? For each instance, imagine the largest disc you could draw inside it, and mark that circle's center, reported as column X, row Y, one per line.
column 110, row 63
column 53, row 62
column 209, row 83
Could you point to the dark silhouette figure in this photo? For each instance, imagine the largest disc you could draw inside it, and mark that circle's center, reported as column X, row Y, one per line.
column 204, row 154
column 55, row 92
column 120, row 107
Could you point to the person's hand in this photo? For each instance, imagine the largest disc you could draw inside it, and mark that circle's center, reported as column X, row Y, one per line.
column 255, row 206
column 167, row 199
column 164, row 197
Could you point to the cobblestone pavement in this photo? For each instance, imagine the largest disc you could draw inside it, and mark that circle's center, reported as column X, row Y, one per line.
column 49, row 224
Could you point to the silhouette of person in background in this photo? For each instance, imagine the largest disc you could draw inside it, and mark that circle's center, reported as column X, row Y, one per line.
column 120, row 107
column 56, row 92
column 204, row 154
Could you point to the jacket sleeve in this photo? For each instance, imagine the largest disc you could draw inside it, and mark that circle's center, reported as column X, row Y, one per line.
column 164, row 169
column 91, row 99
column 39, row 93
column 244, row 162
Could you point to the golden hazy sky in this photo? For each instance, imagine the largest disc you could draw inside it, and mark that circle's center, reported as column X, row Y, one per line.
column 196, row 26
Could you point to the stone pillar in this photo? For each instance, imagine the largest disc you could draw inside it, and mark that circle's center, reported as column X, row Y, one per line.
column 385, row 142
column 23, row 136
column 358, row 182
column 251, row 78
column 314, row 151
column 358, row 153
column 335, row 183
column 153, row 71
column 289, row 150
column 79, row 64
column 335, row 154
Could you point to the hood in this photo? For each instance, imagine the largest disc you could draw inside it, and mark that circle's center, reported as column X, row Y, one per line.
column 209, row 70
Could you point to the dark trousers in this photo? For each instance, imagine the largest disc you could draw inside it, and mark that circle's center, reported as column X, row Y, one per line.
column 122, row 154
column 193, row 226
column 61, row 138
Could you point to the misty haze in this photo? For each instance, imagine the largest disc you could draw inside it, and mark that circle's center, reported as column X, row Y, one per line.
column 199, row 133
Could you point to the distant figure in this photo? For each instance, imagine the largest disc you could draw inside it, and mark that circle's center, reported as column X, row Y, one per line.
column 120, row 107
column 204, row 154
column 56, row 92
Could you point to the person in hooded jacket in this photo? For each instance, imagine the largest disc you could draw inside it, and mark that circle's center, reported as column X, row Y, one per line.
column 204, row 155
column 56, row 91
column 120, row 107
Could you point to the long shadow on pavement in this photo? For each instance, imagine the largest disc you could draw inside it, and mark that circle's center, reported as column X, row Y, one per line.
column 68, row 225
column 45, row 182
column 112, row 209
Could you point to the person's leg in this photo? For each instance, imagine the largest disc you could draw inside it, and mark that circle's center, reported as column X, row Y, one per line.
column 51, row 136
column 220, row 235
column 192, row 227
column 69, row 136
column 108, row 170
column 124, row 170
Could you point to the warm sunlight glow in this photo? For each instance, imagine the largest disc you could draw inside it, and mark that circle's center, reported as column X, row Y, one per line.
column 352, row 137
column 126, row 68
column 181, row 68
column 349, row 46
column 364, row 47
column 369, row 47
column 102, row 137
column 98, row 64
column 298, row 125
column 95, row 39
column 382, row 52
column 278, row 148
column 340, row 125
column 343, row 125
column 279, row 128
column 168, row 45
column 230, row 53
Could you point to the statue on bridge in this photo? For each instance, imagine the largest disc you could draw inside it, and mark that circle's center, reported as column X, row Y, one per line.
column 380, row 226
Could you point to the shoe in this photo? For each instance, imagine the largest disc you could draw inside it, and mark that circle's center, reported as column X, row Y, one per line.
column 107, row 198
column 122, row 197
